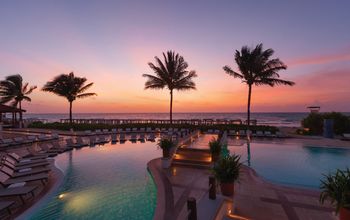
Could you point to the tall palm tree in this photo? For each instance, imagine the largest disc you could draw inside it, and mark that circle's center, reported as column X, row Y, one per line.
column 13, row 90
column 171, row 74
column 70, row 87
column 256, row 68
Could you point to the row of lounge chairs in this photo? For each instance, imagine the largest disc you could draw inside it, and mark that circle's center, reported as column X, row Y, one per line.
column 29, row 139
column 133, row 130
column 15, row 172
column 259, row 134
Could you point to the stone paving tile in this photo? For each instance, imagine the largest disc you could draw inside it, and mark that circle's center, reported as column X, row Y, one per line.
column 307, row 214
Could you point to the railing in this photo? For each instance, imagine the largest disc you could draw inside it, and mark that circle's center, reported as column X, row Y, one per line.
column 155, row 121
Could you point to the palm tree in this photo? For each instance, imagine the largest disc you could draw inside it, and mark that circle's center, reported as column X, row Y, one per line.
column 172, row 74
column 13, row 90
column 256, row 68
column 69, row 87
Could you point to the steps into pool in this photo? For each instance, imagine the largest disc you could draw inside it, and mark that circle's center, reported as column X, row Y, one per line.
column 195, row 158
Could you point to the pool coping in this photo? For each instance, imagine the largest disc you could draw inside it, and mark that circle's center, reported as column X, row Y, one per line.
column 165, row 199
column 58, row 180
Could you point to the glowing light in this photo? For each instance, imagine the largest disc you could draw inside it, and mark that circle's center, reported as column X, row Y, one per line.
column 61, row 196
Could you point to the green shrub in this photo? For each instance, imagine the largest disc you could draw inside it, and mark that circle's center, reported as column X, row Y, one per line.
column 336, row 187
column 227, row 169
column 314, row 122
column 215, row 146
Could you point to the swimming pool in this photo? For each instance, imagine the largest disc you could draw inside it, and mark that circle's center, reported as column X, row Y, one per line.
column 104, row 182
column 292, row 164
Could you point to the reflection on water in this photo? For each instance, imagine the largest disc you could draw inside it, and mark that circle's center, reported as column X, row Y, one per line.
column 291, row 164
column 104, row 182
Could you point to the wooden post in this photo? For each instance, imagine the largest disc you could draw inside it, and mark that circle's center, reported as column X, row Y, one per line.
column 192, row 208
column 212, row 187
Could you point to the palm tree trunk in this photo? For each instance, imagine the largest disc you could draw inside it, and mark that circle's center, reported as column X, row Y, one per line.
column 171, row 107
column 20, row 111
column 70, row 112
column 248, row 110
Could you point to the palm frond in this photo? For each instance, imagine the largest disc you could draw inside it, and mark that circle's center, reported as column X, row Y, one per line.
column 85, row 95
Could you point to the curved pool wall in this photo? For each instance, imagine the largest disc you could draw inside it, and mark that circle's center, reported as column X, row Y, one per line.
column 291, row 164
column 104, row 182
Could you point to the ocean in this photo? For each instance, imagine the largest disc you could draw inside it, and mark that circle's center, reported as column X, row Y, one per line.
column 276, row 119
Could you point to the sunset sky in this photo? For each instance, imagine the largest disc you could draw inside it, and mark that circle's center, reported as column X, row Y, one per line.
column 110, row 43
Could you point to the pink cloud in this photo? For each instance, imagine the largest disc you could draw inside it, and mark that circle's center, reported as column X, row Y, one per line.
column 320, row 59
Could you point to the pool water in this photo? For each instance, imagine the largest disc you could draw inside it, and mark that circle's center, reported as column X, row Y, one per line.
column 104, row 182
column 291, row 163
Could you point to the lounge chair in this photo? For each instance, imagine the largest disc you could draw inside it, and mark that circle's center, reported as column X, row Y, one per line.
column 44, row 137
column 176, row 129
column 242, row 133
column 163, row 130
column 114, row 131
column 98, row 132
column 49, row 150
column 3, row 145
column 18, row 191
column 148, row 129
column 259, row 134
column 81, row 142
column 122, row 138
column 70, row 143
column 210, row 131
column 9, row 141
column 24, row 172
column 55, row 136
column 33, row 153
column 5, row 180
column 5, row 205
column 346, row 137
column 268, row 134
column 101, row 140
column 133, row 138
column 32, row 138
column 141, row 137
column 232, row 132
column 13, row 165
column 57, row 145
column 281, row 135
column 142, row 129
column 127, row 129
column 114, row 138
column 27, row 159
column 134, row 130
column 88, row 133
column 92, row 140
column 217, row 131
column 21, row 140
column 105, row 131
column 151, row 137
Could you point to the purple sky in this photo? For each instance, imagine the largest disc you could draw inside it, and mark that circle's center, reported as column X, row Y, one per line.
column 110, row 43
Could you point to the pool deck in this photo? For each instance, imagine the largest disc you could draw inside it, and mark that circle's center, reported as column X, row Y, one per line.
column 254, row 197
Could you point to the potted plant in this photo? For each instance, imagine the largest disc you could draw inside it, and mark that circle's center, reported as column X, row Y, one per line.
column 336, row 188
column 215, row 149
column 165, row 144
column 227, row 171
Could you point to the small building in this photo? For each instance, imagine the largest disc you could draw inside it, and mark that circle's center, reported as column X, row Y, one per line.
column 12, row 121
column 314, row 109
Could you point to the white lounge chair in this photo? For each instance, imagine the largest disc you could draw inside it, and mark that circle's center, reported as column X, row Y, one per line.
column 133, row 138
column 122, row 138
column 141, row 137
column 151, row 137
column 114, row 138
